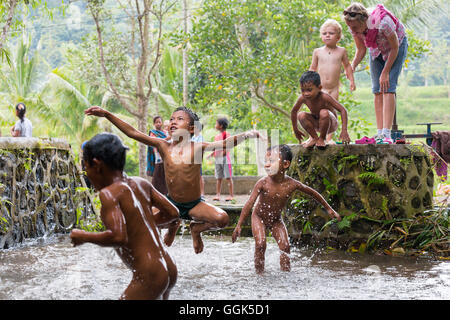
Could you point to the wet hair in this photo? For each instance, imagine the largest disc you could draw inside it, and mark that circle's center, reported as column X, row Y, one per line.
column 192, row 115
column 355, row 11
column 332, row 23
column 223, row 122
column 108, row 148
column 310, row 76
column 156, row 118
column 22, row 109
column 284, row 151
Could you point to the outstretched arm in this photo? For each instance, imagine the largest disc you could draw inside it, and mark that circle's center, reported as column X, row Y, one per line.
column 348, row 71
column 314, row 194
column 114, row 221
column 125, row 127
column 230, row 141
column 360, row 51
column 246, row 210
column 294, row 112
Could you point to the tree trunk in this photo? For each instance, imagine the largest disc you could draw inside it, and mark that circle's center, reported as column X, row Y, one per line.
column 242, row 34
column 8, row 22
column 185, row 56
column 142, row 126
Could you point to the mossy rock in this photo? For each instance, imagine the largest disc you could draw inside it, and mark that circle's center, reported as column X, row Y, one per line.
column 367, row 182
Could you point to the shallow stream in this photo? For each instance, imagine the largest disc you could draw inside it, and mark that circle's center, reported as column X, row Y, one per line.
column 53, row 269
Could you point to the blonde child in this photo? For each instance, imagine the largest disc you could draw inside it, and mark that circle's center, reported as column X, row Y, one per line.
column 327, row 61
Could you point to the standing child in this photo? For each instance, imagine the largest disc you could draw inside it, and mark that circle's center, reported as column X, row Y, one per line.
column 155, row 166
column 198, row 138
column 182, row 160
column 273, row 192
column 223, row 167
column 327, row 61
column 126, row 213
column 322, row 118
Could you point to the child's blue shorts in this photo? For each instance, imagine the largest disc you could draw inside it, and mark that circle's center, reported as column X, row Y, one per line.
column 377, row 65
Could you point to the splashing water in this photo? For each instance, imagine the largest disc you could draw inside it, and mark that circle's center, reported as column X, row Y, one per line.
column 53, row 269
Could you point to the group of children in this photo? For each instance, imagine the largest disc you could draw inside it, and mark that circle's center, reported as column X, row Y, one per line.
column 133, row 210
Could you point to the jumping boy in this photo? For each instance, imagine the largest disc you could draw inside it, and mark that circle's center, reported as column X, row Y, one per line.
column 126, row 212
column 322, row 118
column 182, row 160
column 273, row 192
column 327, row 61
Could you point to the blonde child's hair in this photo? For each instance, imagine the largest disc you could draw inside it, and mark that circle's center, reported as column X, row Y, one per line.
column 332, row 23
column 356, row 11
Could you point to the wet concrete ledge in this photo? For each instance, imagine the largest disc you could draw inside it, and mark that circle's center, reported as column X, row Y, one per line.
column 9, row 143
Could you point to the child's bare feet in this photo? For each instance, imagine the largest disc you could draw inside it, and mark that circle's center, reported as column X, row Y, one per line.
column 320, row 143
column 310, row 144
column 171, row 232
column 196, row 238
column 216, row 198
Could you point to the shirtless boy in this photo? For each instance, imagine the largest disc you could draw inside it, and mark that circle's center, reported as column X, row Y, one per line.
column 322, row 118
column 126, row 212
column 182, row 160
column 273, row 192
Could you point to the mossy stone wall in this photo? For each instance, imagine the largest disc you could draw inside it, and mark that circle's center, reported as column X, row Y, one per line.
column 41, row 189
column 364, row 183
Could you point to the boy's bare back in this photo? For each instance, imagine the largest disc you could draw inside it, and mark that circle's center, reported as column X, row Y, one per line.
column 126, row 213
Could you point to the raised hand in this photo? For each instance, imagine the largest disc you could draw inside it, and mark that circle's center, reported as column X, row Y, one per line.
column 96, row 111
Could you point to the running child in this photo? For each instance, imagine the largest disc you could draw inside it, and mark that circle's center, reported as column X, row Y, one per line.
column 182, row 160
column 274, row 191
column 322, row 117
column 126, row 212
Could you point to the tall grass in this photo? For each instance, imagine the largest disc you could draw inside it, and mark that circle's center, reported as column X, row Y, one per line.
column 414, row 105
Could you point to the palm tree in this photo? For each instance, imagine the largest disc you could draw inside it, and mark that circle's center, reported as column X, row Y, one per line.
column 19, row 80
column 62, row 104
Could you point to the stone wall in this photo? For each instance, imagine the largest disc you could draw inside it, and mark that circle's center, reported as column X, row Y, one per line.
column 41, row 189
column 366, row 183
column 241, row 184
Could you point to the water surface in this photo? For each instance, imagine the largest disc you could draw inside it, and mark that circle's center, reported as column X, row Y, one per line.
column 53, row 269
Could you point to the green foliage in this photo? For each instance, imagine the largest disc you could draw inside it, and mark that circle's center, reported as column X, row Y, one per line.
column 429, row 231
column 252, row 54
column 331, row 189
column 346, row 161
column 371, row 178
column 249, row 55
column 93, row 222
column 346, row 221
